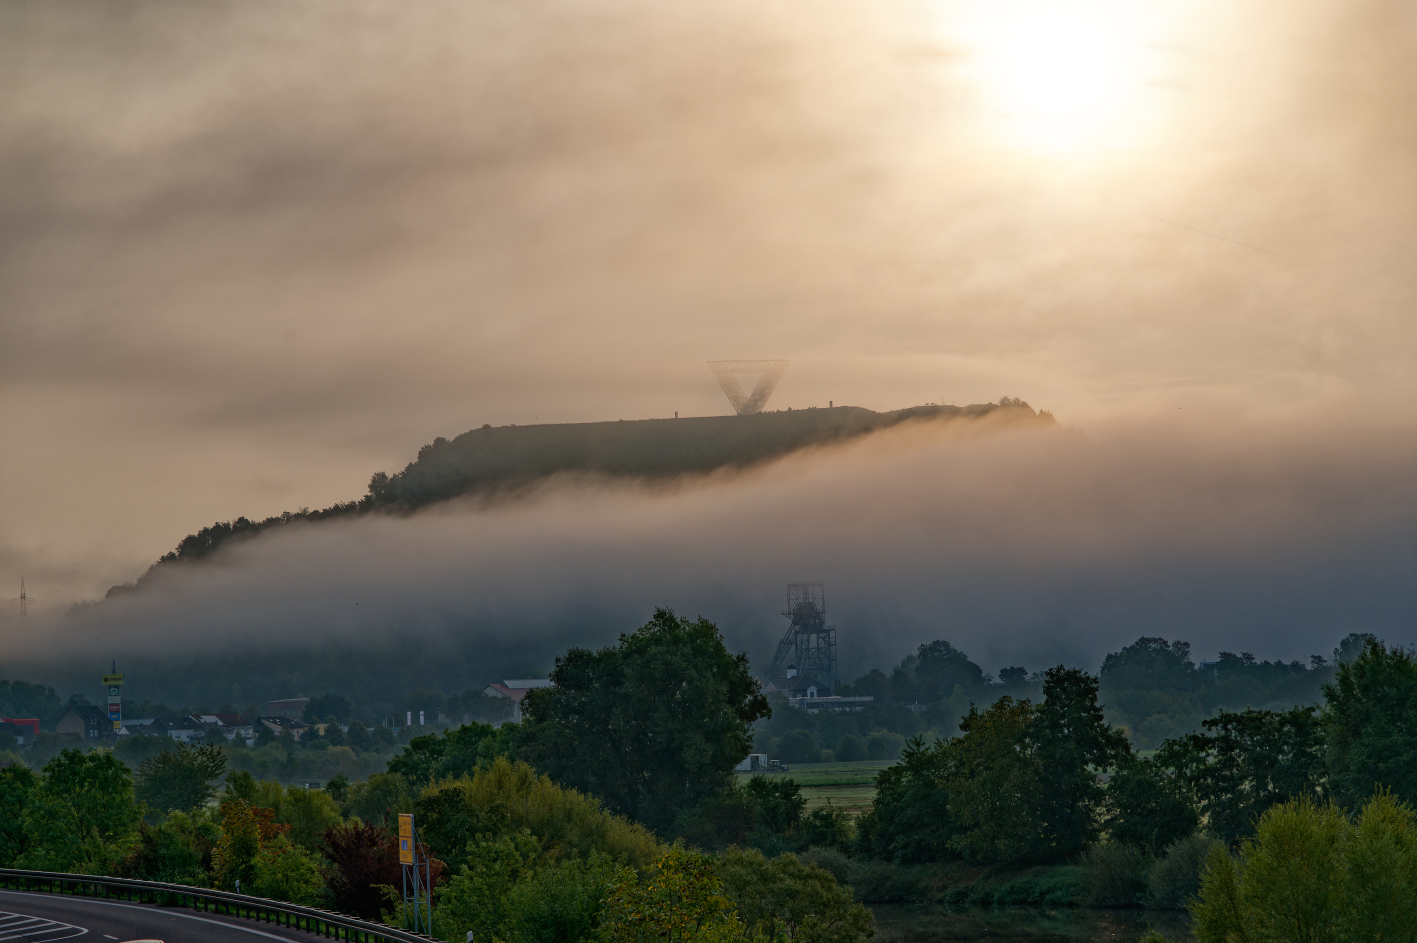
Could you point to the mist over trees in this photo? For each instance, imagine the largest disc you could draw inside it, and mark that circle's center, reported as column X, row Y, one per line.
column 498, row 463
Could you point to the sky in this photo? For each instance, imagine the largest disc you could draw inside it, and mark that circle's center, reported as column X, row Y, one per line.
column 251, row 253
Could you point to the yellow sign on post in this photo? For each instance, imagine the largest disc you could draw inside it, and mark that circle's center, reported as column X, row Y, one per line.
column 112, row 679
column 405, row 838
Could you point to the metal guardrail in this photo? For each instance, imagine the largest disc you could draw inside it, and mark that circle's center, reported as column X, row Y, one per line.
column 311, row 919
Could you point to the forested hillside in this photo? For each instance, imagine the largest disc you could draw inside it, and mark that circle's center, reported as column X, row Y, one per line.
column 500, row 462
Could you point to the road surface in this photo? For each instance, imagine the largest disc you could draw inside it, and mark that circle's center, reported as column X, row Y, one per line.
column 48, row 918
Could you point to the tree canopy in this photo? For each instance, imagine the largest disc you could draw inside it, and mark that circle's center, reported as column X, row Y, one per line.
column 652, row 725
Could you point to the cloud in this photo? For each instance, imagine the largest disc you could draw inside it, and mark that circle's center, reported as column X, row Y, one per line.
column 1019, row 547
column 251, row 253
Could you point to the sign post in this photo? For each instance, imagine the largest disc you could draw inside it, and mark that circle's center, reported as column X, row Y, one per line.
column 114, row 683
column 417, row 887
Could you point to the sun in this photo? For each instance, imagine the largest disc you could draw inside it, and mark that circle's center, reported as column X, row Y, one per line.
column 1057, row 74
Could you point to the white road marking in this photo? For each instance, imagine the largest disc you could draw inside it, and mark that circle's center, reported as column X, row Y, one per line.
column 35, row 929
column 149, row 910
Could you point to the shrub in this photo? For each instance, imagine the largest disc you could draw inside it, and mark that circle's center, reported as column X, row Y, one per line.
column 799, row 746
column 363, row 858
column 1176, row 876
column 1113, row 875
column 179, row 851
column 1312, row 874
column 850, row 749
column 884, row 745
column 567, row 823
column 785, row 895
column 285, row 871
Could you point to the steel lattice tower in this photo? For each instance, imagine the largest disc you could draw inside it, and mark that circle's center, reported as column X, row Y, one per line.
column 809, row 640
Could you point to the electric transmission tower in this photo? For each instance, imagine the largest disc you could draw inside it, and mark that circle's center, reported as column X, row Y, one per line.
column 809, row 642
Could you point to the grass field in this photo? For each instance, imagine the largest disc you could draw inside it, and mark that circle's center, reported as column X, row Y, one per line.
column 849, row 786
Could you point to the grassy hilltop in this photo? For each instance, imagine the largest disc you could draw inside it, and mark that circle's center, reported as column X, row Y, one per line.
column 499, row 462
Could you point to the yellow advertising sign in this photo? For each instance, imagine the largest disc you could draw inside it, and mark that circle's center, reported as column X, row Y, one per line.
column 405, row 838
column 112, row 679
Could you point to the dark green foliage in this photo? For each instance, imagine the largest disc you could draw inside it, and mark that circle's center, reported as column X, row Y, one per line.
column 909, row 820
column 181, row 778
column 787, row 896
column 939, row 667
column 448, row 823
column 16, row 784
column 652, row 725
column 850, row 749
column 23, row 699
column 1149, row 807
column 362, row 856
column 1113, row 875
column 380, row 798
column 241, row 785
column 1072, row 744
column 359, row 738
column 82, row 817
column 798, row 746
column 328, row 707
column 776, row 803
column 826, row 827
column 179, row 851
column 1241, row 764
column 1370, row 724
column 1175, row 877
column 455, row 752
column 1154, row 688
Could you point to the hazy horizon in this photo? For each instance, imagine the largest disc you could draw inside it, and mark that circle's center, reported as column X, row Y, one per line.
column 252, row 253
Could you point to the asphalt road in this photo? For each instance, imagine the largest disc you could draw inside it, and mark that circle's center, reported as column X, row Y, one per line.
column 49, row 918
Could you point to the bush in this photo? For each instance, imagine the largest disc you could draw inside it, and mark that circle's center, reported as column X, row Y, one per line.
column 1312, row 874
column 884, row 745
column 799, row 746
column 789, row 896
column 1176, row 877
column 1113, row 875
column 850, row 749
column 285, row 871
column 567, row 823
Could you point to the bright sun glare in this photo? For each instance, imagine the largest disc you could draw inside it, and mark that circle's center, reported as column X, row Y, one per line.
column 1058, row 75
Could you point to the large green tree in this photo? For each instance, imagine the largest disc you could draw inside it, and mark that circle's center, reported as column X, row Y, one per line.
column 1243, row 763
column 1072, row 744
column 1370, row 724
column 180, row 779
column 82, row 817
column 455, row 752
column 652, row 725
column 16, row 784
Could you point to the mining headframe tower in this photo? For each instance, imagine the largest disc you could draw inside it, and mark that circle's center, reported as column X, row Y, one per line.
column 807, row 653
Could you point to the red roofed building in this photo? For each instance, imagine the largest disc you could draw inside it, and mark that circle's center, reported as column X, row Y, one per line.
column 514, row 690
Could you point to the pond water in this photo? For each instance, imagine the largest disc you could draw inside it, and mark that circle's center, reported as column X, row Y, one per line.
column 929, row 923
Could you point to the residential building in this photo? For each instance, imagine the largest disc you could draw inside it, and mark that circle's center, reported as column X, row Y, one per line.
column 514, row 690
column 30, row 724
column 280, row 725
column 180, row 728
column 233, row 725
column 85, row 721
column 290, row 707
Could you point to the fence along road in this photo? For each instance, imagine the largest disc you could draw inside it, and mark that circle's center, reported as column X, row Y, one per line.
column 34, row 917
column 47, row 895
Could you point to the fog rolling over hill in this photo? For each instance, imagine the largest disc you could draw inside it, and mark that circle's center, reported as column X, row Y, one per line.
column 508, row 462
column 1023, row 543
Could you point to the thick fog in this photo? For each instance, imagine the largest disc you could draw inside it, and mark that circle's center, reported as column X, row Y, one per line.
column 252, row 252
column 1020, row 547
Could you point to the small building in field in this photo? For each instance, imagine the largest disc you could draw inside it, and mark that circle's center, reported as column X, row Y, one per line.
column 514, row 690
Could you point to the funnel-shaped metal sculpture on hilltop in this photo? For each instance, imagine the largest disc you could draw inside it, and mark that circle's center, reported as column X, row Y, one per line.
column 746, row 404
